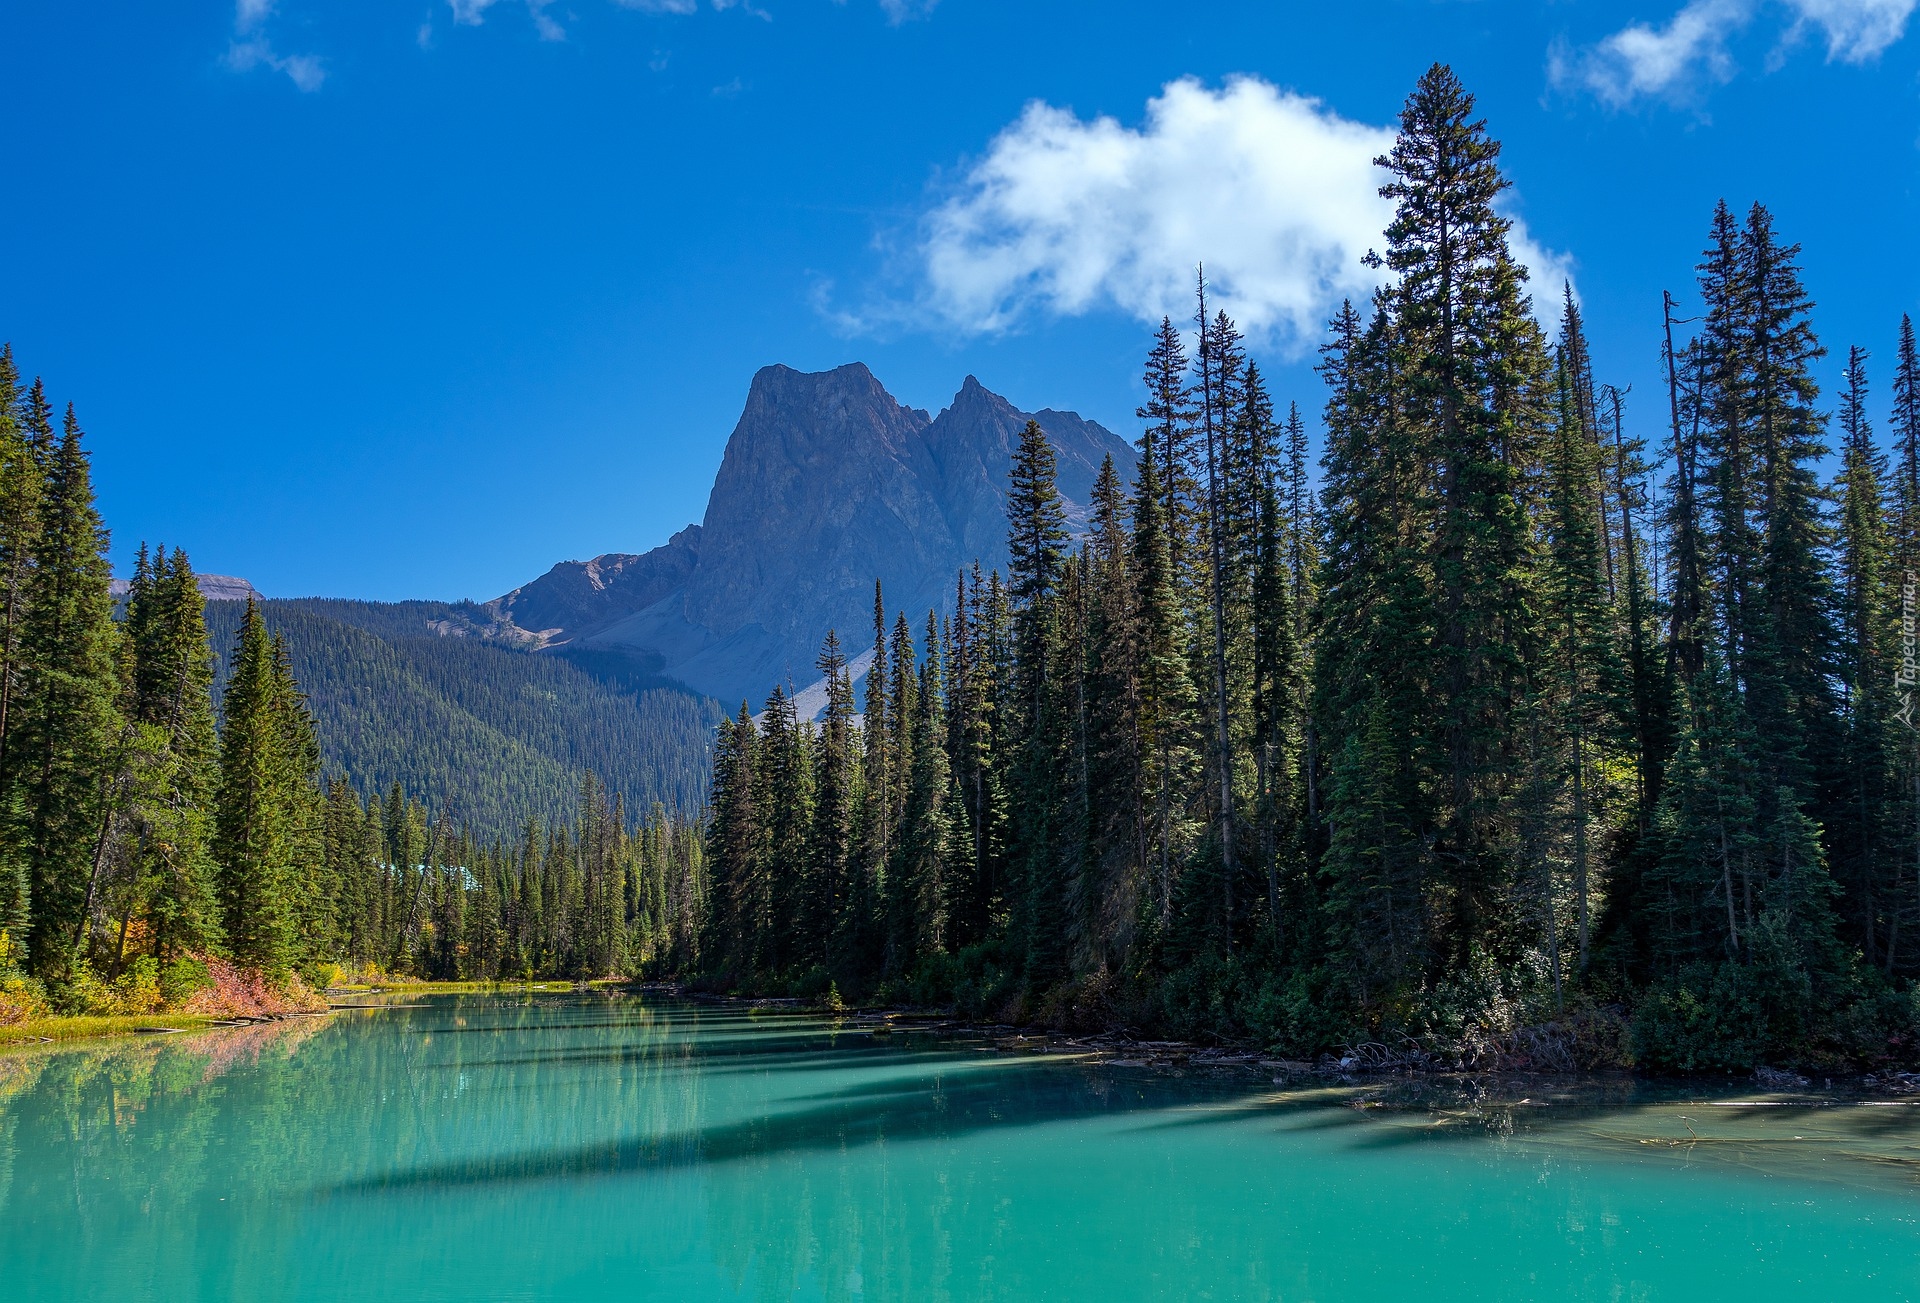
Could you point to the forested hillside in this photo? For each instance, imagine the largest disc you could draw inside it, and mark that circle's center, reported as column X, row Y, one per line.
column 1551, row 731
column 169, row 841
column 485, row 733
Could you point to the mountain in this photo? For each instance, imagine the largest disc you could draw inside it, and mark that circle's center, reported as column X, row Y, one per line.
column 430, row 695
column 612, row 666
column 827, row 484
column 215, row 588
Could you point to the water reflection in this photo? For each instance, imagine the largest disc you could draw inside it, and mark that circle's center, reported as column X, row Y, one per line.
column 591, row 1145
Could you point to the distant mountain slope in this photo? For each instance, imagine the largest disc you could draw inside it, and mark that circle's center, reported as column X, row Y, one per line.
column 827, row 484
column 425, row 694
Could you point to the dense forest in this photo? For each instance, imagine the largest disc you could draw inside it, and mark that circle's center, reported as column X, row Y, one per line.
column 154, row 832
column 1522, row 721
column 413, row 693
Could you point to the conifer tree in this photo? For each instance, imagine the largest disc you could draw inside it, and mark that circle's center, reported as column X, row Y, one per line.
column 1583, row 682
column 1167, row 445
column 174, row 765
column 68, row 720
column 735, row 847
column 1219, row 345
column 1374, row 671
column 836, row 793
column 21, row 483
column 919, row 880
column 787, row 779
column 1036, row 538
column 1118, row 795
column 1166, row 692
column 1472, row 385
column 255, row 833
column 1865, row 860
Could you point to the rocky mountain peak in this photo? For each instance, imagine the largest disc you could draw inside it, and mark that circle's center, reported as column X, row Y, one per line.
column 827, row 483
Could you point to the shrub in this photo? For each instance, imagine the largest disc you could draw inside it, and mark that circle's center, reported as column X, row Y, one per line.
column 183, row 978
column 21, row 997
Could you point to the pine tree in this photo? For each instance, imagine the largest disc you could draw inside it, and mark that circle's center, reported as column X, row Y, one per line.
column 836, row 793
column 1166, row 693
column 1278, row 732
column 1218, row 358
column 1793, row 677
column 920, row 878
column 313, row 897
column 1583, row 684
column 786, row 777
column 735, row 849
column 1036, row 537
column 1119, row 798
column 1374, row 672
column 21, row 484
column 68, row 721
column 1904, row 546
column 1473, row 384
column 1865, row 858
column 174, row 765
column 255, row 833
column 1167, row 445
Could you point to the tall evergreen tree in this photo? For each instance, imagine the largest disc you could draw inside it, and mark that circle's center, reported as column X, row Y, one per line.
column 255, row 833
column 68, row 716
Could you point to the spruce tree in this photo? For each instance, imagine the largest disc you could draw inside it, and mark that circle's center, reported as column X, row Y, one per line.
column 68, row 717
column 918, row 883
column 255, row 835
column 174, row 765
column 836, row 793
column 1471, row 394
column 1865, row 858
column 21, row 484
column 1036, row 538
column 1375, row 672
column 1166, row 693
column 1583, row 683
column 735, row 850
column 1118, row 797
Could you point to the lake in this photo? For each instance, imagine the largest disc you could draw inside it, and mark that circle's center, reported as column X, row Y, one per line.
column 593, row 1146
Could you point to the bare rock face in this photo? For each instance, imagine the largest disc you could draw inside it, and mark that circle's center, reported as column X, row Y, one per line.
column 215, row 588
column 827, row 484
column 576, row 595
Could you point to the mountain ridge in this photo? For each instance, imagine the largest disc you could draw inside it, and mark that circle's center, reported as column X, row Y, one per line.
column 827, row 483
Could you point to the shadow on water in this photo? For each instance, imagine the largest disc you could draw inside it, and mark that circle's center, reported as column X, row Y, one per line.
column 975, row 1096
column 629, row 1087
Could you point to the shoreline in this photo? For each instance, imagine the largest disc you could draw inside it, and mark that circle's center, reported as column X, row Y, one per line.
column 1119, row 1049
column 1109, row 1049
column 65, row 1028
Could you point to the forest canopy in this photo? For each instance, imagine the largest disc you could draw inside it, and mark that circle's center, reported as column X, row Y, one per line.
column 1523, row 720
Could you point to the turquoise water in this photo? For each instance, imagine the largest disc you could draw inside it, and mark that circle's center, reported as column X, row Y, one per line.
column 594, row 1147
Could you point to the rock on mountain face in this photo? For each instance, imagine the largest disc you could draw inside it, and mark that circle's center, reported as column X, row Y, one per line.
column 827, row 484
column 215, row 588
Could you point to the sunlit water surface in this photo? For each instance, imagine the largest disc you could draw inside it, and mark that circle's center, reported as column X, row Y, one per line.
column 601, row 1147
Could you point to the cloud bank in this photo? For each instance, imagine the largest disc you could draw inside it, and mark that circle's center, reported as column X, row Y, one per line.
column 1275, row 192
column 1641, row 61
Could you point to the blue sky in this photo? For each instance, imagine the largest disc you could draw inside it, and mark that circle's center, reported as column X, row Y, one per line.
column 379, row 299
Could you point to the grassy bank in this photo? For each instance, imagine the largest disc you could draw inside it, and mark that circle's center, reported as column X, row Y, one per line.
column 412, row 986
column 87, row 1026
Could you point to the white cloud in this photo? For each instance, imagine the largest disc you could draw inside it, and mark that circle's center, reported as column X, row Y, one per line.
column 900, row 11
column 251, row 49
column 1643, row 61
column 1275, row 192
column 472, row 13
column 1857, row 30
